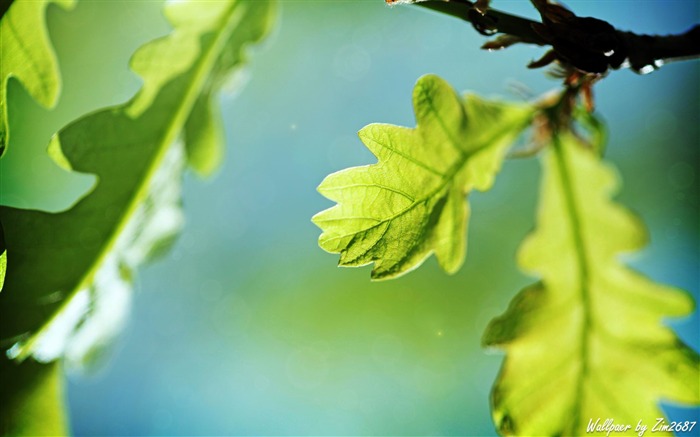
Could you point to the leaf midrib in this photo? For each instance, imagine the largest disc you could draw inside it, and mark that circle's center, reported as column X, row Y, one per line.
column 199, row 80
column 573, row 213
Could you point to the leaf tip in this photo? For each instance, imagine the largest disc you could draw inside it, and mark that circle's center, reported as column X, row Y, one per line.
column 206, row 163
column 451, row 263
column 316, row 218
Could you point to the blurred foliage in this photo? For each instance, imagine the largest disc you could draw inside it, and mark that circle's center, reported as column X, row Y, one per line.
column 135, row 206
column 67, row 287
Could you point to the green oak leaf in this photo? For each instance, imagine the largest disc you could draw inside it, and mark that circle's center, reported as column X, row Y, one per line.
column 68, row 281
column 411, row 203
column 26, row 54
column 588, row 341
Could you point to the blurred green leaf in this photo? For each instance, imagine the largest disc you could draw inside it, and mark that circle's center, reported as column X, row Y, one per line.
column 3, row 267
column 588, row 341
column 203, row 136
column 411, row 203
column 32, row 399
column 68, row 280
column 27, row 55
column 3, row 258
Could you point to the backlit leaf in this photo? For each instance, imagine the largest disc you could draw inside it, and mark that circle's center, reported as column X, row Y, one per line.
column 68, row 282
column 588, row 341
column 411, row 203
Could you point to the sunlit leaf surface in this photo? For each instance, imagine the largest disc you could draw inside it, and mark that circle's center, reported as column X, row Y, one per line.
column 412, row 202
column 26, row 54
column 68, row 274
column 588, row 341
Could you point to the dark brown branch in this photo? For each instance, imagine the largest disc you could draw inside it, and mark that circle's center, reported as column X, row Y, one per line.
column 646, row 50
column 502, row 21
column 576, row 41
